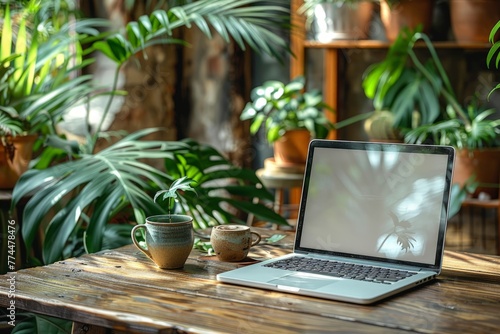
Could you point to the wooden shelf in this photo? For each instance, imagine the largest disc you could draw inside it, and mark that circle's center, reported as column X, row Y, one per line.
column 378, row 44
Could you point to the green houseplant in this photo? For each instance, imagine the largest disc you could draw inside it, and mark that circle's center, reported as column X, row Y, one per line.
column 78, row 197
column 465, row 127
column 413, row 91
column 40, row 55
column 470, row 128
column 281, row 109
column 403, row 96
column 170, row 195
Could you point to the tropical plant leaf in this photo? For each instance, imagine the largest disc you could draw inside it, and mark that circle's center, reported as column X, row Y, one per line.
column 77, row 199
column 494, row 47
column 240, row 19
column 275, row 238
column 221, row 188
column 38, row 324
column 170, row 195
column 116, row 174
column 37, row 78
column 6, row 39
column 117, row 235
column 88, row 192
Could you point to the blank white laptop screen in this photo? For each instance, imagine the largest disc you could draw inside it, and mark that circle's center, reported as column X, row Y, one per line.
column 399, row 194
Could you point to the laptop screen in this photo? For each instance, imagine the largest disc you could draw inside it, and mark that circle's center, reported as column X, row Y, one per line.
column 378, row 201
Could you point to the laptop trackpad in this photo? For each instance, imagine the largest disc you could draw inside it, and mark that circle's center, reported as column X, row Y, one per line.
column 303, row 281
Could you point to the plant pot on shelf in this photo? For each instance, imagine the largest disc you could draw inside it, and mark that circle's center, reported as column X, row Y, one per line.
column 291, row 148
column 405, row 13
column 340, row 20
column 15, row 156
column 472, row 20
column 483, row 165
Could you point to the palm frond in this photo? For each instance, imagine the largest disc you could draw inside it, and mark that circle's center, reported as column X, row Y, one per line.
column 246, row 21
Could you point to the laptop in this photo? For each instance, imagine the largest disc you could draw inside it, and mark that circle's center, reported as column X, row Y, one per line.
column 372, row 223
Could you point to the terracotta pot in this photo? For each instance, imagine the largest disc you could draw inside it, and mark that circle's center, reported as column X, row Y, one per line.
column 484, row 165
column 292, row 147
column 472, row 20
column 12, row 168
column 407, row 13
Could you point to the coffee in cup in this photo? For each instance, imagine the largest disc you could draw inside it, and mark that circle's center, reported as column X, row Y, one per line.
column 232, row 242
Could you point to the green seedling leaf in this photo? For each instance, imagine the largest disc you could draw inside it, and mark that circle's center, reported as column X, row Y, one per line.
column 275, row 238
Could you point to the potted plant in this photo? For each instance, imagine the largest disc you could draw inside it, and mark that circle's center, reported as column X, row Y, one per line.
column 39, row 59
column 403, row 97
column 330, row 20
column 289, row 117
column 398, row 14
column 167, row 239
column 469, row 128
column 76, row 197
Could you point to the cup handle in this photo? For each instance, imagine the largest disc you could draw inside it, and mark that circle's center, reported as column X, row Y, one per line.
column 136, row 243
column 257, row 236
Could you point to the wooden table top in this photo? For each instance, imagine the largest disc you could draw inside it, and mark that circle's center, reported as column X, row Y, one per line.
column 123, row 290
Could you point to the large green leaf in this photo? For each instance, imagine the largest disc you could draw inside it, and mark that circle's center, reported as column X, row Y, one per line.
column 42, row 81
column 65, row 191
column 6, row 38
column 41, row 324
column 222, row 189
column 90, row 191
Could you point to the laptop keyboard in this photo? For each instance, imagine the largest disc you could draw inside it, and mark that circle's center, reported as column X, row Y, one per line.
column 342, row 269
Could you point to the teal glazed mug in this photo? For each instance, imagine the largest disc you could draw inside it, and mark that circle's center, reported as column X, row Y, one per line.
column 169, row 239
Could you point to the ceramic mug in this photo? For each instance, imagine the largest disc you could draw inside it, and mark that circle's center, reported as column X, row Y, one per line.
column 232, row 242
column 169, row 239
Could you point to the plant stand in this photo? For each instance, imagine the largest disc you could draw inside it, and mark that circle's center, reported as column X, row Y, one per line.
column 287, row 185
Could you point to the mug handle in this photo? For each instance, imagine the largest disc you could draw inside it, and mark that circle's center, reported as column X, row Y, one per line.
column 257, row 236
column 136, row 243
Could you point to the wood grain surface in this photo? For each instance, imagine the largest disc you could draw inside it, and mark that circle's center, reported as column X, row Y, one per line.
column 123, row 290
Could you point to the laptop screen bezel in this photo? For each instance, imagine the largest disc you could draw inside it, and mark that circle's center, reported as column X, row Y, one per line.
column 447, row 151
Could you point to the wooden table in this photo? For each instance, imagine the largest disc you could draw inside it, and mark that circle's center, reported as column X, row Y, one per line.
column 122, row 289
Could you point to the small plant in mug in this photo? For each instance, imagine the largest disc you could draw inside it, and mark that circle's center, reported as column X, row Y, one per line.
column 170, row 195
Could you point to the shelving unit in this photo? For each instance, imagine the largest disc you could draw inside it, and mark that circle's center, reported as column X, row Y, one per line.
column 331, row 83
column 299, row 44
